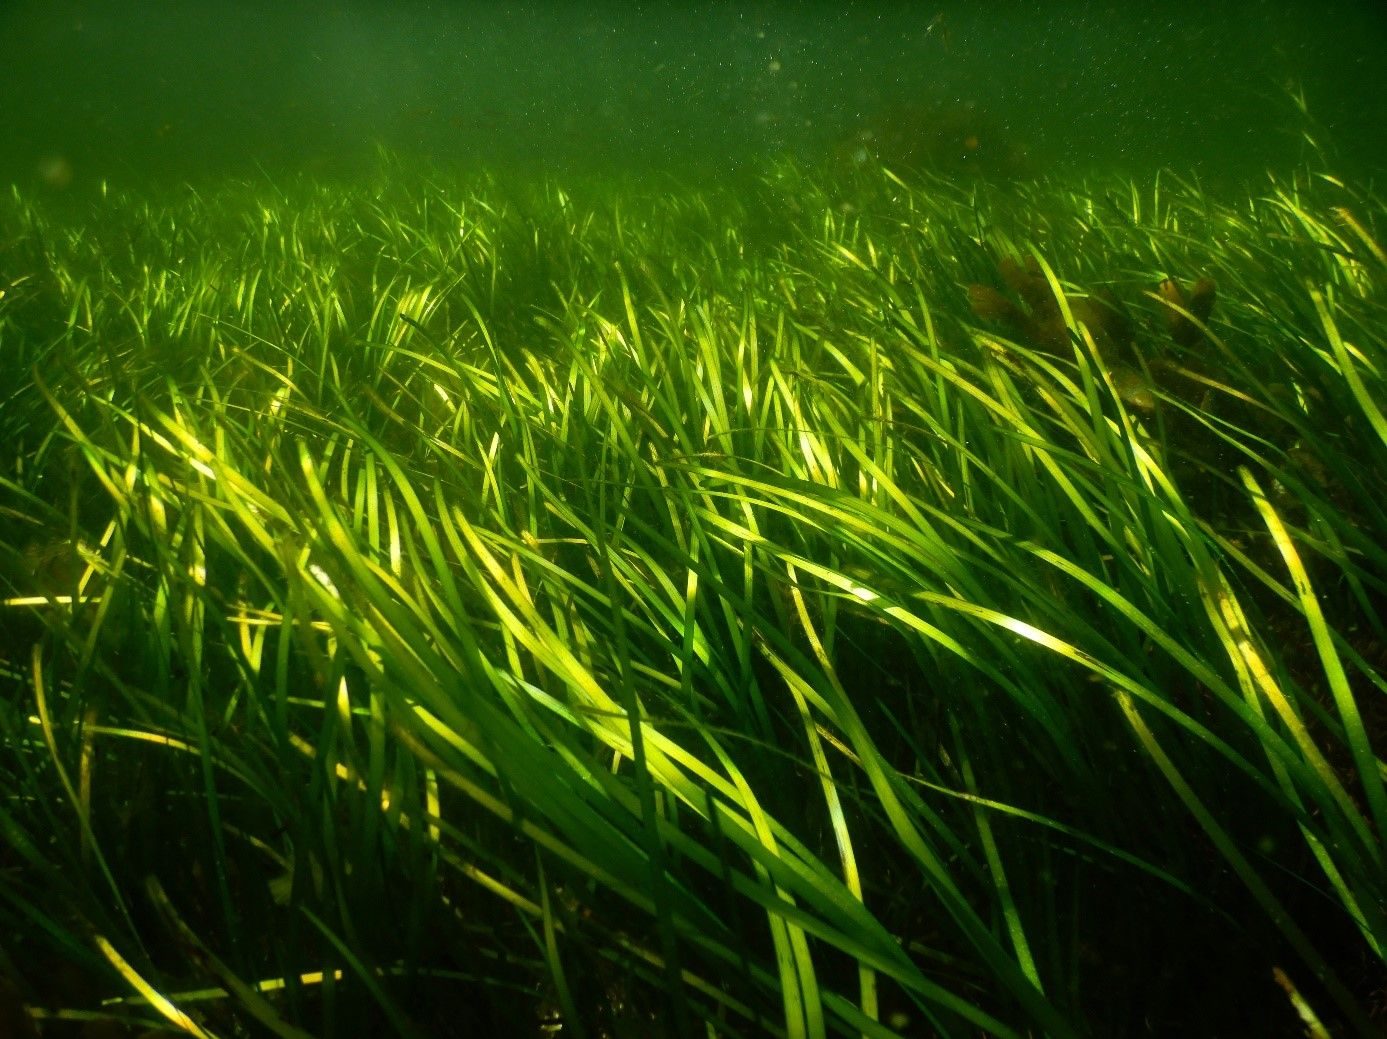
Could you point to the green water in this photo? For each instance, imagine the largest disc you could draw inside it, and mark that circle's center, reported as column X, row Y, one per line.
column 127, row 91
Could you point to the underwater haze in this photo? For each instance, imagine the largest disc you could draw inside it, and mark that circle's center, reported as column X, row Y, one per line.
column 119, row 90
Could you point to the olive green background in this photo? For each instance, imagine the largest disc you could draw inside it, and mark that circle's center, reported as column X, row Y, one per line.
column 123, row 91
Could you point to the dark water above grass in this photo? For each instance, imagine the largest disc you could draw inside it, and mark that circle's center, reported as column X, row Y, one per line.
column 126, row 91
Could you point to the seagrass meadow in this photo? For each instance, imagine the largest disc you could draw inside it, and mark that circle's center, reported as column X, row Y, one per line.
column 846, row 603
